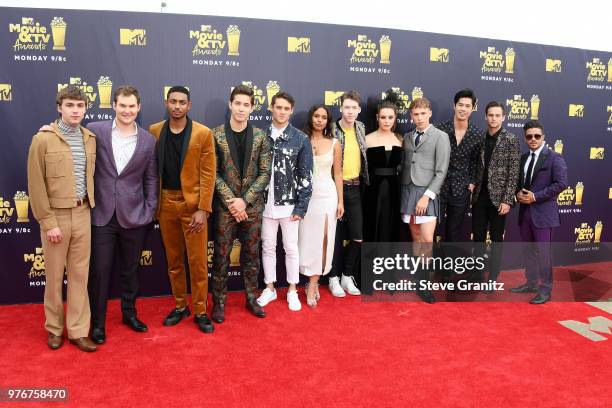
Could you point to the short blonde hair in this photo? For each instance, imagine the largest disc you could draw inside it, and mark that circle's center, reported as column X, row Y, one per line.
column 422, row 103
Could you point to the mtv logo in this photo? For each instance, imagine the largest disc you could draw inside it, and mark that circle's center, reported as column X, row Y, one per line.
column 553, row 65
column 27, row 21
column 332, row 98
column 146, row 258
column 298, row 44
column 597, row 153
column 362, row 37
column 438, row 54
column 128, row 36
column 205, row 28
column 6, row 92
column 592, row 330
column 576, row 110
column 166, row 89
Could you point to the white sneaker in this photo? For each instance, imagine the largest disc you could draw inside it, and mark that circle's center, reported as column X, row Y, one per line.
column 348, row 284
column 267, row 296
column 335, row 288
column 294, row 301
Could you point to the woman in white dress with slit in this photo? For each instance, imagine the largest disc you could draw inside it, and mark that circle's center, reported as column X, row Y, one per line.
column 318, row 228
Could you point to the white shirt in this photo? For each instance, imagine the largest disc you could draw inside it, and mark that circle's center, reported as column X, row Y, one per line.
column 537, row 154
column 123, row 146
column 271, row 210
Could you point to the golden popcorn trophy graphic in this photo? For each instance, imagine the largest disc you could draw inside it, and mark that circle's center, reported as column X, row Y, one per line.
column 105, row 88
column 58, row 31
column 579, row 192
column 385, row 49
column 510, row 55
column 598, row 230
column 417, row 93
column 235, row 253
column 272, row 88
column 535, row 106
column 610, row 70
column 233, row 40
column 559, row 146
column 21, row 205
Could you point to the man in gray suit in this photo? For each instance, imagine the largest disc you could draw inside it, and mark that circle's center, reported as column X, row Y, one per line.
column 127, row 182
column 425, row 163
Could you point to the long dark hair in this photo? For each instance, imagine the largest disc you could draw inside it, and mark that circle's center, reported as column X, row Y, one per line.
column 392, row 101
column 308, row 128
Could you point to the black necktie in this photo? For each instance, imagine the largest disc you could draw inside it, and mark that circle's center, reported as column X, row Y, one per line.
column 418, row 138
column 529, row 171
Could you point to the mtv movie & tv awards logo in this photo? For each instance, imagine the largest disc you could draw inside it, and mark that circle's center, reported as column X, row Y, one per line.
column 99, row 95
column 439, row 54
column 33, row 40
column 14, row 212
column 520, row 109
column 570, row 199
column 599, row 74
column 211, row 45
column 370, row 56
column 497, row 66
column 588, row 237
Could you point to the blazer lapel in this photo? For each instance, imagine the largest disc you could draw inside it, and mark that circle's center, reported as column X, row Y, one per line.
column 248, row 149
column 541, row 159
column 161, row 147
column 107, row 141
column 522, row 170
column 139, row 141
column 231, row 144
column 186, row 141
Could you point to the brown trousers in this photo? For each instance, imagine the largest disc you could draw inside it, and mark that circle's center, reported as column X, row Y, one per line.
column 73, row 254
column 174, row 220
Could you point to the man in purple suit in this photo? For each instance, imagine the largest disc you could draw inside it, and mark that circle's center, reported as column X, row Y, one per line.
column 127, row 182
column 543, row 175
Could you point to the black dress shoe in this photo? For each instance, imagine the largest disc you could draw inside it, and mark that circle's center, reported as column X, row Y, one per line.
column 98, row 335
column 204, row 323
column 255, row 309
column 540, row 299
column 426, row 296
column 133, row 323
column 218, row 314
column 176, row 316
column 524, row 288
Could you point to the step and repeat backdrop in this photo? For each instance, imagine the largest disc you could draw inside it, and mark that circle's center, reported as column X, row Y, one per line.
column 42, row 50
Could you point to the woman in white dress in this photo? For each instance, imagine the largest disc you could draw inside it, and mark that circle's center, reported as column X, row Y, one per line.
column 318, row 228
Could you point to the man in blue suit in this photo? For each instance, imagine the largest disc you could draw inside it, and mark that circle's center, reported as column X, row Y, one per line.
column 127, row 182
column 543, row 175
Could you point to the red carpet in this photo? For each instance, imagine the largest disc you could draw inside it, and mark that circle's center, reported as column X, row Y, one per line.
column 344, row 353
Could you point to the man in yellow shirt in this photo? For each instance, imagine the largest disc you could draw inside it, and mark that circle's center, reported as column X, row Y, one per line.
column 351, row 135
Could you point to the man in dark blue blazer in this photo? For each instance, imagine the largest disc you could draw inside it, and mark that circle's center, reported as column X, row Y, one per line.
column 543, row 175
column 127, row 182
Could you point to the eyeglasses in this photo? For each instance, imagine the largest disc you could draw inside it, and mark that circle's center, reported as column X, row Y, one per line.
column 537, row 136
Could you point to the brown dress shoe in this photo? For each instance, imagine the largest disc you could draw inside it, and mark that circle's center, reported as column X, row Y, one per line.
column 54, row 342
column 84, row 343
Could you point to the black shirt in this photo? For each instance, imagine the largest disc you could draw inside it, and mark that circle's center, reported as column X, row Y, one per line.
column 490, row 142
column 464, row 164
column 240, row 139
column 171, row 177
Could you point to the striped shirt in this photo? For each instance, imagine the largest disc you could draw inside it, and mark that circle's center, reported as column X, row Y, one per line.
column 74, row 137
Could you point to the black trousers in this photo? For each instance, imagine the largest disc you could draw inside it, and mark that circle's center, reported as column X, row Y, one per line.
column 453, row 209
column 107, row 243
column 485, row 217
column 352, row 225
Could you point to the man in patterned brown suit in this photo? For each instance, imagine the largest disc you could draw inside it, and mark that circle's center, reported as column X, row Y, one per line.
column 494, row 194
column 244, row 163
